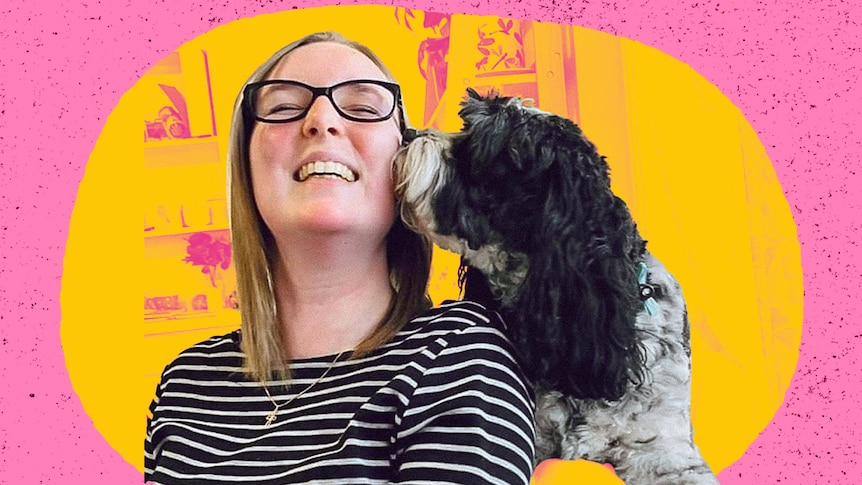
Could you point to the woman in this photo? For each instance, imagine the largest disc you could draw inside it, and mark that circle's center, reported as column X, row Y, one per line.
column 333, row 378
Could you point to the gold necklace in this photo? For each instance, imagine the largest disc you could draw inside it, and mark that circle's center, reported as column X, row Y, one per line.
column 270, row 418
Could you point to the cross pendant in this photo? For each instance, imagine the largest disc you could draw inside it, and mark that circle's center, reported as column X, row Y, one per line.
column 270, row 418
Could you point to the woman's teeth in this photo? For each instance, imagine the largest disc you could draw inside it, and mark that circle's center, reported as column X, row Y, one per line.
column 325, row 169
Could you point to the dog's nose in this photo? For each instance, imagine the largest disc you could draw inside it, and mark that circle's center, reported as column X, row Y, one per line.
column 410, row 134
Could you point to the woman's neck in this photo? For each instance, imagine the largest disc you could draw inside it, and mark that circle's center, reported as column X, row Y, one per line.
column 331, row 294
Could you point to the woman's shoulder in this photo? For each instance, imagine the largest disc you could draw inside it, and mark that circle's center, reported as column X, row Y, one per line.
column 457, row 323
column 463, row 339
column 217, row 345
column 459, row 315
column 216, row 352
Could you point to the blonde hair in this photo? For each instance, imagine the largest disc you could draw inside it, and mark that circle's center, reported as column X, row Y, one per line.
column 408, row 253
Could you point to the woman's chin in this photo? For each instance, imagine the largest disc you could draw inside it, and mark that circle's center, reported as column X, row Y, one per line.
column 321, row 221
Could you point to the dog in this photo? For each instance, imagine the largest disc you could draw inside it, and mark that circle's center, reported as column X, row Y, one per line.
column 599, row 323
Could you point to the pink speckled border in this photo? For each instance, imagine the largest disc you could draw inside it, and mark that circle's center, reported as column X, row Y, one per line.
column 792, row 66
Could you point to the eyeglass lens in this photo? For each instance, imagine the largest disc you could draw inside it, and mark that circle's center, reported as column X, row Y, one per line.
column 365, row 101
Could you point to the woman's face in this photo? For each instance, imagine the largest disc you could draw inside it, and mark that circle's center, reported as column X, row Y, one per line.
column 291, row 204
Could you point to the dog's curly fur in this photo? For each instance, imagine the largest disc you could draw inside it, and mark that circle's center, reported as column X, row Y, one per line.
column 525, row 199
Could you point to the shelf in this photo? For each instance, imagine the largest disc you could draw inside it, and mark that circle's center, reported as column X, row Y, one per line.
column 177, row 152
column 158, row 233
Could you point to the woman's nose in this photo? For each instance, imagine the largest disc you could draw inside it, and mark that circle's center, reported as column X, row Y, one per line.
column 322, row 117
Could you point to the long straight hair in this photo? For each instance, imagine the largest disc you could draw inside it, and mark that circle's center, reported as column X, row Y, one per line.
column 255, row 252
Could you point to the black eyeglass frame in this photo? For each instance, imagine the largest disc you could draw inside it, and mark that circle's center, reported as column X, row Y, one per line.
column 250, row 91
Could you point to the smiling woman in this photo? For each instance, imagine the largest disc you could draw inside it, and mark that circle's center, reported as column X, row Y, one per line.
column 652, row 115
column 341, row 372
column 317, row 131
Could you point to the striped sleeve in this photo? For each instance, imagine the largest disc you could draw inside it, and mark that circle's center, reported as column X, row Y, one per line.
column 149, row 448
column 470, row 419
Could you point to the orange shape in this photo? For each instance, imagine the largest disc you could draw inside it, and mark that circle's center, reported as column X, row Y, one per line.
column 559, row 472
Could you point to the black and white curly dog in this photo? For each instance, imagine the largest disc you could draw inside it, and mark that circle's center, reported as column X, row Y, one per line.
column 601, row 326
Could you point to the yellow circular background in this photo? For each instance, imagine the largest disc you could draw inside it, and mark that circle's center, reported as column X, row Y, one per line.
column 691, row 168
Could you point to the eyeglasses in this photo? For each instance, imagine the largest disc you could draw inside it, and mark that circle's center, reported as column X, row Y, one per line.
column 283, row 101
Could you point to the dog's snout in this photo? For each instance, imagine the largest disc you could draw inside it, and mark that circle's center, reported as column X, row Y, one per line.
column 410, row 134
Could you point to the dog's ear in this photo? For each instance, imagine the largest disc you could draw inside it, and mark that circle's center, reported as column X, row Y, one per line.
column 577, row 312
column 577, row 307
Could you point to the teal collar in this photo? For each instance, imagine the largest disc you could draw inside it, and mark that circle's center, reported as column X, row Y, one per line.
column 648, row 292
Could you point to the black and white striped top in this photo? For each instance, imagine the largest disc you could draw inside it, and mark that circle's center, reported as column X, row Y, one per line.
column 443, row 402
